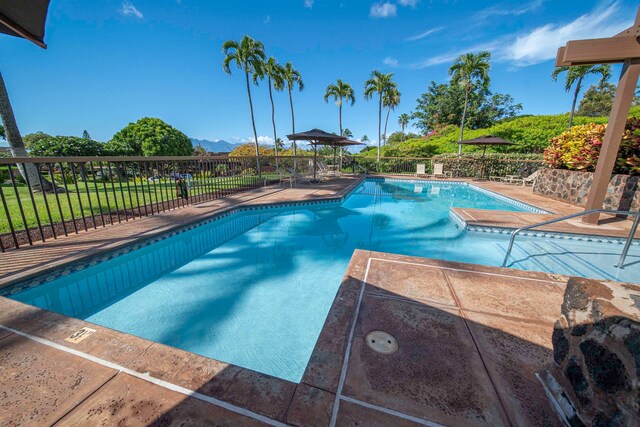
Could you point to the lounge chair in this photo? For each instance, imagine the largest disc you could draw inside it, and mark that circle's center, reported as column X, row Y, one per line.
column 421, row 170
column 324, row 171
column 285, row 177
column 529, row 180
column 297, row 177
column 438, row 171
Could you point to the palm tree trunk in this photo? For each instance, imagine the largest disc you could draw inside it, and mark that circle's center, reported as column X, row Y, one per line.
column 293, row 127
column 386, row 122
column 253, row 124
column 16, row 145
column 379, row 123
column 464, row 116
column 273, row 122
column 575, row 100
column 341, row 133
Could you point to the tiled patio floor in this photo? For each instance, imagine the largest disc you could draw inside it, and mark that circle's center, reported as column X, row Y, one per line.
column 471, row 339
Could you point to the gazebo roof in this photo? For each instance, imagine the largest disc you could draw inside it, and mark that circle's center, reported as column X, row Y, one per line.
column 25, row 19
column 486, row 140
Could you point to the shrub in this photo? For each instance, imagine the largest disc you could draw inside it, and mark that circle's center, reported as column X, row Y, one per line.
column 578, row 149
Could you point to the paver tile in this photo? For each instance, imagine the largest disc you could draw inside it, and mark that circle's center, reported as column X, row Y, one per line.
column 40, row 384
column 130, row 401
column 435, row 374
column 354, row 415
column 415, row 282
column 507, row 296
column 310, row 407
column 249, row 389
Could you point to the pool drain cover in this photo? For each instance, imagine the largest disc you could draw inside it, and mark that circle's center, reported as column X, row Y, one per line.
column 382, row 342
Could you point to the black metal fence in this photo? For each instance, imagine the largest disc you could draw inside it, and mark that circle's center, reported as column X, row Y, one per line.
column 44, row 198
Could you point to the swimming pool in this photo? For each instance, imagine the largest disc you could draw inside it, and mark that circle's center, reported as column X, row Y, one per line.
column 253, row 288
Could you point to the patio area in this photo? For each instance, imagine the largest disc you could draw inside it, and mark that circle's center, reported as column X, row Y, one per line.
column 468, row 352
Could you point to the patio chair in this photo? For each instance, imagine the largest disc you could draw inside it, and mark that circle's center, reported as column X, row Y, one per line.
column 324, row 172
column 421, row 170
column 438, row 171
column 284, row 177
column 529, row 180
column 297, row 177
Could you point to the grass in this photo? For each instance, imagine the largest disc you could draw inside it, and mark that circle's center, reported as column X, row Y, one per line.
column 87, row 199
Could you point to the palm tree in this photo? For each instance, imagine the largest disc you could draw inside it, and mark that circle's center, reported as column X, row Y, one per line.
column 292, row 78
column 378, row 83
column 465, row 71
column 576, row 75
column 347, row 133
column 16, row 145
column 248, row 55
column 340, row 91
column 364, row 139
column 391, row 100
column 403, row 121
column 274, row 74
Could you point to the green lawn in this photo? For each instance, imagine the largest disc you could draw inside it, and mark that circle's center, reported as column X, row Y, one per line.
column 88, row 198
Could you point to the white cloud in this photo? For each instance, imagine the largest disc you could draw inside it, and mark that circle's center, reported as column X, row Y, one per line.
column 502, row 10
column 410, row 3
column 391, row 61
column 449, row 57
column 128, row 9
column 383, row 10
column 308, row 4
column 267, row 19
column 424, row 34
column 542, row 43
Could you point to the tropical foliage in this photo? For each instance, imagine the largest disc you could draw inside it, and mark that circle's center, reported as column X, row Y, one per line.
column 379, row 83
column 293, row 79
column 248, row 55
column 576, row 75
column 579, row 147
column 149, row 137
column 274, row 73
column 470, row 71
column 340, row 91
column 63, row 146
column 443, row 104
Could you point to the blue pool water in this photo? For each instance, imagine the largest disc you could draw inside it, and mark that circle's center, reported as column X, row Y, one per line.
column 254, row 288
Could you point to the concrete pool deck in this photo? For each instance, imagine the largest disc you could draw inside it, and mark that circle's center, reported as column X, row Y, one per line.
column 471, row 339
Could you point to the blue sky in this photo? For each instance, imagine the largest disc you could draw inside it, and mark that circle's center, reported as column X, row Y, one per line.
column 112, row 62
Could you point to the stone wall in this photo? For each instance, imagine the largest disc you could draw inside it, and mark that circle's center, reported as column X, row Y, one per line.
column 596, row 348
column 623, row 192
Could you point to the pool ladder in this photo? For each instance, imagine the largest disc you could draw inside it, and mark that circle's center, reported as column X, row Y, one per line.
column 627, row 244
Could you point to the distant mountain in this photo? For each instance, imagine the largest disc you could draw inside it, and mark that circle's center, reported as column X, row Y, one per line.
column 219, row 146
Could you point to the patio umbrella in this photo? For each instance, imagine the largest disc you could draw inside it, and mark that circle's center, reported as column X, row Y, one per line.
column 25, row 19
column 316, row 137
column 485, row 141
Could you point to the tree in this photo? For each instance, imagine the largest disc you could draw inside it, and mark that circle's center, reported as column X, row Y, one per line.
column 378, row 83
column 293, row 79
column 248, row 54
column 85, row 134
column 274, row 73
column 340, row 91
column 32, row 138
column 597, row 100
column 443, row 105
column 576, row 75
column 364, row 139
column 149, row 137
column 391, row 100
column 403, row 120
column 16, row 145
column 347, row 133
column 467, row 71
column 65, row 146
column 199, row 150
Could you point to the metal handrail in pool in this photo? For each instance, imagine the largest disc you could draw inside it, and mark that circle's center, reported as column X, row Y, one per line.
column 627, row 244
